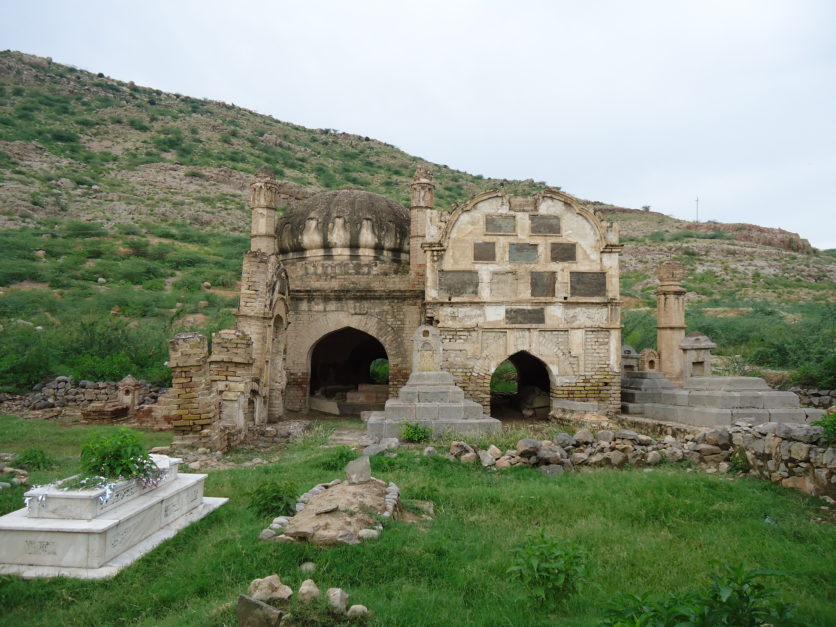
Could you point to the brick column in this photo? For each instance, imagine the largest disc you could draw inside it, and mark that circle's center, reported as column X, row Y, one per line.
column 190, row 397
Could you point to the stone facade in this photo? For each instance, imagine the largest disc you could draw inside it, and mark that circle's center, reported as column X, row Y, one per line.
column 344, row 278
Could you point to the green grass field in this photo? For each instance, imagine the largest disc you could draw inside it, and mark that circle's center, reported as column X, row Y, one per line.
column 646, row 532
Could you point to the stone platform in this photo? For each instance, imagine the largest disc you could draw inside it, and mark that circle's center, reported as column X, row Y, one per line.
column 431, row 399
column 84, row 535
column 711, row 401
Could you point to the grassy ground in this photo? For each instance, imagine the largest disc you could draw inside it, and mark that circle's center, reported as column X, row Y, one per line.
column 647, row 532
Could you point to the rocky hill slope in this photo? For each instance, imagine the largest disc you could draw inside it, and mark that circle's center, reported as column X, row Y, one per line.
column 75, row 144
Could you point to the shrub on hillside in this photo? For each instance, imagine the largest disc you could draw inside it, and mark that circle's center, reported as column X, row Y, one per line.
column 549, row 567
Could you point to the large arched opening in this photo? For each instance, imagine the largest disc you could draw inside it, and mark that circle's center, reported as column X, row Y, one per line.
column 348, row 373
column 520, row 388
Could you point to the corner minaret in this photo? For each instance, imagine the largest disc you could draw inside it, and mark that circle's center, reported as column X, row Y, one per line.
column 423, row 201
column 670, row 319
column 263, row 202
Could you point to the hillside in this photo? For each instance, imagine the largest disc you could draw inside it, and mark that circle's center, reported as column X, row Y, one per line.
column 123, row 206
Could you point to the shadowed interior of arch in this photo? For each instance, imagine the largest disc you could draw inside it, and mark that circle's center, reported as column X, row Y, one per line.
column 520, row 388
column 346, row 373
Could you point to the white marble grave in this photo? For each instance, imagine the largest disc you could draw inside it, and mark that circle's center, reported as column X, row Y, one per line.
column 92, row 534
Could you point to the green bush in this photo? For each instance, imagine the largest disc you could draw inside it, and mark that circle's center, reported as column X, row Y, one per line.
column 828, row 423
column 35, row 459
column 117, row 455
column 549, row 567
column 378, row 369
column 413, row 432
column 735, row 598
column 274, row 498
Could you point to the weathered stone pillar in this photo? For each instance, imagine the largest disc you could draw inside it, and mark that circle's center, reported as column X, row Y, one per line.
column 230, row 367
column 264, row 195
column 190, row 397
column 670, row 319
column 423, row 202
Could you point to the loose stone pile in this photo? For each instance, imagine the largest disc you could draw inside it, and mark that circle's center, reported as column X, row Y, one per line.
column 21, row 477
column 339, row 512
column 793, row 455
column 259, row 606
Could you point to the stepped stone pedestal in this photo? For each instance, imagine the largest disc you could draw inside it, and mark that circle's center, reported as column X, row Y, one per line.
column 710, row 401
column 93, row 534
column 430, row 397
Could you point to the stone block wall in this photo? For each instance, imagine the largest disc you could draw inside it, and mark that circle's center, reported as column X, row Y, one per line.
column 793, row 455
column 189, row 401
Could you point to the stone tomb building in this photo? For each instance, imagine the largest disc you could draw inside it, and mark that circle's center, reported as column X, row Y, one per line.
column 344, row 278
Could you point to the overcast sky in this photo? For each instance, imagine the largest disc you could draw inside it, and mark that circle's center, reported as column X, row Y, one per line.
column 633, row 102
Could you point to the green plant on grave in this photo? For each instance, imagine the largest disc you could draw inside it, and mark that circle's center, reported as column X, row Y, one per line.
column 413, row 432
column 828, row 423
column 117, row 455
column 274, row 498
column 35, row 459
column 549, row 567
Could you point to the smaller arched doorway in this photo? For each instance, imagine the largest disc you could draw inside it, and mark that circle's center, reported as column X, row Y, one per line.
column 348, row 373
column 520, row 388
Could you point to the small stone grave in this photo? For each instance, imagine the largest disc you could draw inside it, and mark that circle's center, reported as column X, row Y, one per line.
column 339, row 512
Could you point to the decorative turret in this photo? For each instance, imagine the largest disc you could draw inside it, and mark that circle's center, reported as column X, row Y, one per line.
column 423, row 202
column 670, row 319
column 263, row 202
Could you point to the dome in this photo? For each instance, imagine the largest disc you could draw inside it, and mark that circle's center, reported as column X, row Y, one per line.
column 345, row 221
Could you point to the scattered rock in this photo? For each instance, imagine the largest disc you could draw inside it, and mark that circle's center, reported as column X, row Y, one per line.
column 605, row 435
column 356, row 611
column 486, row 458
column 307, row 567
column 269, row 589
column 369, row 534
column 308, row 591
column 528, row 447
column 359, row 470
column 267, row 534
column 494, row 452
column 253, row 613
column 386, row 444
column 653, row 458
column 337, row 599
column 551, row 470
column 468, row 458
column 430, row 451
column 584, row 436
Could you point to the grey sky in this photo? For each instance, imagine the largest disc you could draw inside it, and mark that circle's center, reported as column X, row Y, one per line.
column 639, row 102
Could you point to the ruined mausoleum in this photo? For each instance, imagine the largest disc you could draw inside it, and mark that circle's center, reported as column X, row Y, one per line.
column 341, row 280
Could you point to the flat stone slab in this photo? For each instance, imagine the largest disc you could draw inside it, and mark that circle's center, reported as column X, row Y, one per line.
column 124, row 559
column 380, row 426
column 731, row 384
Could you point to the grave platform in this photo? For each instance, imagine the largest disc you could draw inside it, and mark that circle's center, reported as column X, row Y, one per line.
column 86, row 535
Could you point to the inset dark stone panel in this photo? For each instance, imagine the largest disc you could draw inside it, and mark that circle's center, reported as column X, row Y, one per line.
column 458, row 283
column 542, row 284
column 523, row 253
column 545, row 225
column 563, row 252
column 587, row 284
column 484, row 251
column 516, row 315
column 506, row 225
